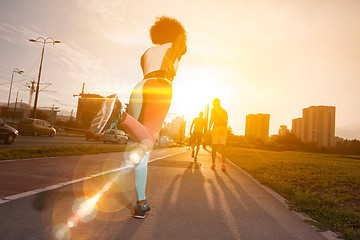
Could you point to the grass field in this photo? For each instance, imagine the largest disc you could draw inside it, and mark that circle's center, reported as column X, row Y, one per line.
column 325, row 187
column 39, row 152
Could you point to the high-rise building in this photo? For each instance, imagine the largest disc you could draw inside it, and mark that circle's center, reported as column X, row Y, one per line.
column 257, row 126
column 319, row 125
column 297, row 128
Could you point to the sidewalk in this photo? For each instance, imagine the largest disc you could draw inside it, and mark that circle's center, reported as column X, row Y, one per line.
column 188, row 200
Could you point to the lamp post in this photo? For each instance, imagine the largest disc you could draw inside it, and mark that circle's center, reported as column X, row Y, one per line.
column 16, row 70
column 44, row 41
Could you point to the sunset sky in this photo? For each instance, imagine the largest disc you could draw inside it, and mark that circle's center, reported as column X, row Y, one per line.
column 274, row 57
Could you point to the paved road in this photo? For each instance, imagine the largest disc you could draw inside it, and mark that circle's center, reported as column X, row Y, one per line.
column 39, row 141
column 188, row 200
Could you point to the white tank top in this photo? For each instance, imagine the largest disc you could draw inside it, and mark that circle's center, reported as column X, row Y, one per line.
column 156, row 58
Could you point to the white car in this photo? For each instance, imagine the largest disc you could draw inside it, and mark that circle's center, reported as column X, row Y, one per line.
column 164, row 140
column 120, row 138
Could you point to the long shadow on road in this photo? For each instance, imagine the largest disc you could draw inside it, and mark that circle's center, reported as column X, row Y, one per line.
column 189, row 201
column 185, row 206
column 193, row 207
column 248, row 219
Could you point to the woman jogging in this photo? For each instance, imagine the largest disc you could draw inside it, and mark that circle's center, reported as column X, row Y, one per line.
column 151, row 98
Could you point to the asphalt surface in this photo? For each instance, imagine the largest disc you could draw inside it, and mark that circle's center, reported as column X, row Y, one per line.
column 188, row 201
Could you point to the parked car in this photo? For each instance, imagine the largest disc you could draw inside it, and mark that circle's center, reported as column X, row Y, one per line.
column 164, row 140
column 36, row 127
column 90, row 135
column 7, row 133
column 120, row 138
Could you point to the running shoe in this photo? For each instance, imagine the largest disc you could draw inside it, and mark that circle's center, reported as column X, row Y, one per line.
column 141, row 210
column 213, row 166
column 223, row 167
column 192, row 154
column 195, row 159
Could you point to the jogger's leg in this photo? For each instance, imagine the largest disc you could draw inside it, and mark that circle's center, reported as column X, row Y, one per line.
column 223, row 152
column 213, row 153
column 197, row 148
column 140, row 173
column 138, row 131
column 143, row 123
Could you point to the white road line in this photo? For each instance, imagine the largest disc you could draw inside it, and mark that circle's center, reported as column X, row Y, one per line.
column 59, row 185
column 27, row 159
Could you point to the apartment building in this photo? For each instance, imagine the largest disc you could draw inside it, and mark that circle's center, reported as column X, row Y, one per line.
column 257, row 126
column 297, row 128
column 319, row 125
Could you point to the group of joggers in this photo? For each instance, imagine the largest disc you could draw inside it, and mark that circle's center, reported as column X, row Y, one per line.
column 218, row 131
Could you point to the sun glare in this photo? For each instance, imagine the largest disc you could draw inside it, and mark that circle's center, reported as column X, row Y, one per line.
column 193, row 90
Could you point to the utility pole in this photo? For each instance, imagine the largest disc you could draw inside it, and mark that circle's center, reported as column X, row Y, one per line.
column 17, row 94
column 32, row 90
column 44, row 41
column 16, row 70
column 82, row 92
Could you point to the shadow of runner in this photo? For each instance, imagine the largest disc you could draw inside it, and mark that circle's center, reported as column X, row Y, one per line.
column 190, row 216
column 251, row 219
column 220, row 224
column 188, row 209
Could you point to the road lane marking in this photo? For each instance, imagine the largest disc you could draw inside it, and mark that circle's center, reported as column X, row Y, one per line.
column 59, row 185
column 27, row 159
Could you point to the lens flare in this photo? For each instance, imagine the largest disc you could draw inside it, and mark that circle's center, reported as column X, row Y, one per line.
column 61, row 232
column 84, row 210
column 72, row 222
column 135, row 157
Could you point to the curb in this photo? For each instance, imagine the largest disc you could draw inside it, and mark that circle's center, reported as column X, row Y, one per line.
column 328, row 234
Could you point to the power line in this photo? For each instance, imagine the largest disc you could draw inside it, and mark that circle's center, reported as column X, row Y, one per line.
column 13, row 82
column 36, row 62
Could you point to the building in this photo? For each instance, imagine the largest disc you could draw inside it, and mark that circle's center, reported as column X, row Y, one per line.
column 257, row 126
column 175, row 129
column 19, row 111
column 297, row 128
column 63, row 118
column 319, row 125
column 88, row 106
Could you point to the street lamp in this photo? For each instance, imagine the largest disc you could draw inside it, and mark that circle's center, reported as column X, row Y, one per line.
column 16, row 70
column 44, row 41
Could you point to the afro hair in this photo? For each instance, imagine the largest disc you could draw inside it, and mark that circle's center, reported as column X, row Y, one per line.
column 165, row 30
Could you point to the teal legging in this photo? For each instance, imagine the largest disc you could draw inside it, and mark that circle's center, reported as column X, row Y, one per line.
column 148, row 106
column 140, row 173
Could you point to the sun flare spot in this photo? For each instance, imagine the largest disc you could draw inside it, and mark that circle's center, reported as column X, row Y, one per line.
column 195, row 89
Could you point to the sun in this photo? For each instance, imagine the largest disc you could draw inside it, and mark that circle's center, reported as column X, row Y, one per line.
column 193, row 90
